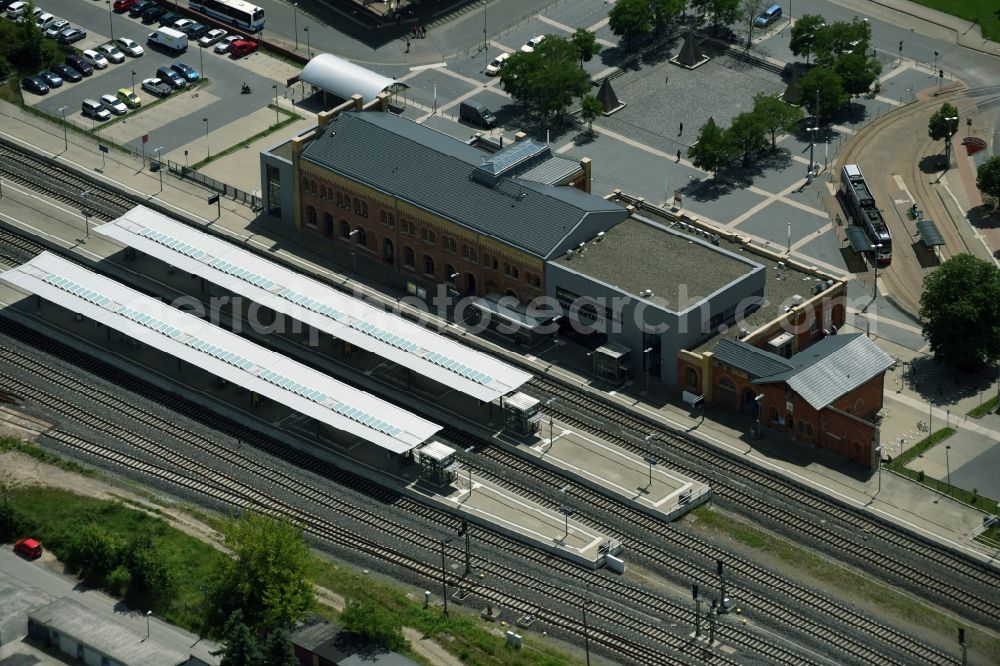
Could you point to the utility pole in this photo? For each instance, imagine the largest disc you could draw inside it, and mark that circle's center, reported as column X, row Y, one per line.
column 697, row 611
column 711, row 624
column 723, row 599
column 961, row 641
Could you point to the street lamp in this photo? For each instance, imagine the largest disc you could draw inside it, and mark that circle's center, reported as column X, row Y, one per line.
column 812, row 143
column 86, row 214
column 148, row 613
column 878, row 453
column 757, row 399
column 646, row 364
column 586, row 630
column 62, row 110
column 947, row 145
column 276, row 119
column 295, row 18
column 947, row 464
column 566, row 511
column 354, row 254
column 444, row 576
column 159, row 168
column 208, row 148
column 878, row 246
column 133, row 80
column 111, row 24
column 650, row 460
column 555, row 336
column 308, row 46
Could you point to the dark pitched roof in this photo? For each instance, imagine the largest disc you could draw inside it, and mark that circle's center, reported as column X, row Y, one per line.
column 833, row 367
column 755, row 362
column 434, row 171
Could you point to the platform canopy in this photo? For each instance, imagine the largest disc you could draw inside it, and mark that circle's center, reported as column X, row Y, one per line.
column 345, row 79
column 929, row 233
column 221, row 353
column 859, row 240
column 312, row 302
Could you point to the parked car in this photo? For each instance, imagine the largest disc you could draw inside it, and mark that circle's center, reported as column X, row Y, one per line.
column 95, row 59
column 170, row 18
column 197, row 30
column 136, row 10
column 122, row 6
column 189, row 73
column 79, row 64
column 153, row 13
column 29, row 548
column 35, row 85
column 129, row 98
column 529, row 46
column 156, row 87
column 67, row 73
column 242, row 47
column 114, row 105
column 180, row 24
column 111, row 52
column 57, row 26
column 168, row 75
column 52, row 80
column 16, row 10
column 129, row 46
column 71, row 35
column 225, row 44
column 44, row 20
column 212, row 37
column 493, row 68
column 93, row 109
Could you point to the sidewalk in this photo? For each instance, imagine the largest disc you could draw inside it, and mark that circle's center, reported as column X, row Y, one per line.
column 967, row 34
column 900, row 500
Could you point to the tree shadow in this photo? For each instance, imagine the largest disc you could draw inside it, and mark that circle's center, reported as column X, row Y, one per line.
column 852, row 112
column 984, row 216
column 944, row 384
column 931, row 163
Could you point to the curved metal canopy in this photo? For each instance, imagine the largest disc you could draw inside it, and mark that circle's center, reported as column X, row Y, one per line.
column 344, row 79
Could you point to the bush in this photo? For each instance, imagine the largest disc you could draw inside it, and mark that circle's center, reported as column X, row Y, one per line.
column 373, row 622
column 13, row 524
column 119, row 581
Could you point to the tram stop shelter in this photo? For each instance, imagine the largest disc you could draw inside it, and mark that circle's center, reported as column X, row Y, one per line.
column 858, row 239
column 611, row 362
column 930, row 236
column 521, row 414
column 343, row 79
column 335, row 415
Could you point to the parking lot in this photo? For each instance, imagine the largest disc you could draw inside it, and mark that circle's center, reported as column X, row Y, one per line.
column 179, row 119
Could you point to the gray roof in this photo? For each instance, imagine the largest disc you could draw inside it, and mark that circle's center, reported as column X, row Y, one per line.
column 70, row 617
column 552, row 171
column 324, row 640
column 752, row 360
column 435, row 172
column 833, row 367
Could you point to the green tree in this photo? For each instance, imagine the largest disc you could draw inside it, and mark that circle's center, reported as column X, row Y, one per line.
column 746, row 136
column 858, row 72
column 718, row 11
column 711, row 151
column 92, row 553
column 841, row 38
column 749, row 11
column 548, row 79
column 939, row 127
column 828, row 85
column 664, row 11
column 586, row 44
column 240, row 645
column 630, row 20
column 988, row 178
column 366, row 619
column 775, row 115
column 804, row 34
column 265, row 577
column 960, row 309
column 278, row 650
column 13, row 524
column 147, row 565
column 590, row 108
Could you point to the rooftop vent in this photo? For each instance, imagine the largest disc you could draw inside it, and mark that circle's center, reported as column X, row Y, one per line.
column 600, row 236
column 796, row 300
column 569, row 254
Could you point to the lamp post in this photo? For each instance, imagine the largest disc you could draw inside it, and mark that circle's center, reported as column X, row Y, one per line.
column 947, row 464
column 878, row 461
column 208, row 148
column 354, row 254
column 148, row 613
column 552, row 437
column 86, row 215
column 309, row 52
column 133, row 80
column 159, row 169
column 444, row 576
column 758, row 399
column 567, row 511
column 947, row 145
column 555, row 336
column 62, row 110
column 486, row 50
column 650, row 460
column 878, row 246
column 276, row 118
column 586, row 631
column 295, row 19
column 111, row 25
column 812, row 144
column 935, row 62
column 645, row 363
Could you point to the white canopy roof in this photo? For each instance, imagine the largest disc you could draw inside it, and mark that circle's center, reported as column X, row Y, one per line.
column 344, row 78
column 312, row 302
column 221, row 353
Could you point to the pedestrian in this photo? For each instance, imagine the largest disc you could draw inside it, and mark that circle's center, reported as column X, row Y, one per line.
column 407, row 46
column 666, row 79
column 681, row 130
column 678, row 155
column 423, row 31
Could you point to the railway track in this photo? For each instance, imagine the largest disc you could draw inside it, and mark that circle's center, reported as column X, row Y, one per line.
column 730, row 479
column 643, row 601
column 624, row 514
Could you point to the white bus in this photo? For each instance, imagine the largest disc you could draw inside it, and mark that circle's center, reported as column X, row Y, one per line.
column 235, row 12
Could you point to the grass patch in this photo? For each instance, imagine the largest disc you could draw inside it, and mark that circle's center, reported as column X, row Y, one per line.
column 900, row 462
column 982, row 12
column 463, row 633
column 41, row 455
column 289, row 119
column 845, row 580
column 984, row 409
column 55, row 516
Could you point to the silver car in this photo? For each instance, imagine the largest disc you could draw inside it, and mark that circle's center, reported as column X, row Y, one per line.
column 57, row 26
column 111, row 52
column 114, row 105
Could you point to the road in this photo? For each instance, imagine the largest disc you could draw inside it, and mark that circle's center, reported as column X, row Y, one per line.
column 42, row 575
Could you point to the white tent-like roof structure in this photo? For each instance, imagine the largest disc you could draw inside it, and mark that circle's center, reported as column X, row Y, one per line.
column 344, row 79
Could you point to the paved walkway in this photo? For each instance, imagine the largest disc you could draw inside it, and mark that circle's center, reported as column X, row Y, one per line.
column 967, row 34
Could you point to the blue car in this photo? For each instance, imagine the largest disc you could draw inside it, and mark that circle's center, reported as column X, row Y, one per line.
column 51, row 79
column 189, row 73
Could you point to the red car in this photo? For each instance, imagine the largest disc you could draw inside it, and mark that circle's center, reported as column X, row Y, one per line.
column 29, row 548
column 122, row 6
column 242, row 47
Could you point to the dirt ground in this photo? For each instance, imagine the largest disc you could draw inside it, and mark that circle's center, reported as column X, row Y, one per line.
column 17, row 469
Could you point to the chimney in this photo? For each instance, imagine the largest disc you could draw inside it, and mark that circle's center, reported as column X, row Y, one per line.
column 323, row 118
column 520, row 136
column 587, row 165
column 359, row 102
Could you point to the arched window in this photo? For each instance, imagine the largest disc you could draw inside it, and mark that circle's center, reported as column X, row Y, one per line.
column 345, row 229
column 327, row 225
column 388, row 251
column 692, row 377
column 726, row 384
column 310, row 217
column 429, row 265
column 361, row 238
column 338, row 198
column 409, row 257
column 312, row 187
column 774, row 415
column 364, row 209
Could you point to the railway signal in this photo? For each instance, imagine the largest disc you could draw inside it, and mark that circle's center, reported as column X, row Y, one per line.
column 697, row 610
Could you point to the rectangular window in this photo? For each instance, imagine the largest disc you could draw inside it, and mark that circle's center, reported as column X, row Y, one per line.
column 273, row 191
column 468, row 253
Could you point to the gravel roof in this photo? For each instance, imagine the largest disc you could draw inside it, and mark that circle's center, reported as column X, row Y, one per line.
column 637, row 254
